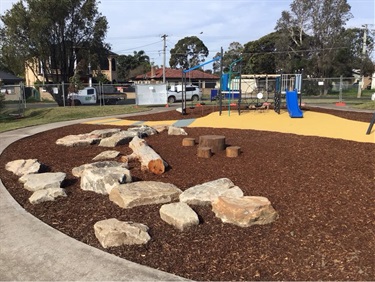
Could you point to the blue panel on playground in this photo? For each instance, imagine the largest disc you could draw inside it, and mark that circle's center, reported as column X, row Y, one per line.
column 213, row 94
column 225, row 82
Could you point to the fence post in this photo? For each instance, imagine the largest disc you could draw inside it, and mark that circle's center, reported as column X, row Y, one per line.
column 63, row 92
column 340, row 89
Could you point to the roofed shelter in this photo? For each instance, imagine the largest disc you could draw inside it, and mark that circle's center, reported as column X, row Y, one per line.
column 9, row 79
column 10, row 86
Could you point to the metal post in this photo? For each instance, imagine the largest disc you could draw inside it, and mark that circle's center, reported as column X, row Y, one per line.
column 240, row 91
column 340, row 89
column 183, row 75
column 221, row 74
column 371, row 125
column 90, row 75
column 63, row 92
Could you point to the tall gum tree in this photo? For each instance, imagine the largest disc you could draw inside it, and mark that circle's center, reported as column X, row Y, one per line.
column 55, row 34
column 314, row 28
column 188, row 52
column 233, row 53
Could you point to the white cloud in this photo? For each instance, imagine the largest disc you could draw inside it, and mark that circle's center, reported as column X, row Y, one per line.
column 139, row 24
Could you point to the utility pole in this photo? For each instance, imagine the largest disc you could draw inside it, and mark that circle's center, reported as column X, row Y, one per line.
column 364, row 50
column 164, row 54
column 364, row 47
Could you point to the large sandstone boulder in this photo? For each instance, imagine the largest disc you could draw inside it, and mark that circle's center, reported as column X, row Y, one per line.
column 180, row 215
column 173, row 130
column 77, row 171
column 103, row 180
column 40, row 181
column 245, row 211
column 143, row 131
column 113, row 233
column 119, row 138
column 79, row 140
column 160, row 127
column 106, row 155
column 103, row 133
column 144, row 193
column 22, row 167
column 45, row 195
column 206, row 193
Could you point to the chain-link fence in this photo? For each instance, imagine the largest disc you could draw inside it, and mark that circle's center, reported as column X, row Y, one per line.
column 15, row 94
column 329, row 86
column 337, row 88
column 105, row 94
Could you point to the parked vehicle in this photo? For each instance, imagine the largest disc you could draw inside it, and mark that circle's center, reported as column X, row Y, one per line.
column 128, row 88
column 90, row 96
column 193, row 93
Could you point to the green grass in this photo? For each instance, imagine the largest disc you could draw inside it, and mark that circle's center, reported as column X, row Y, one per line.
column 10, row 121
column 366, row 106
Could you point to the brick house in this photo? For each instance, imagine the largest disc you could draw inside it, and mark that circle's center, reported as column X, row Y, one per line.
column 34, row 73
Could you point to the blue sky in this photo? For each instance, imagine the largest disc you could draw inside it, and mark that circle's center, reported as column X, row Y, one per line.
column 139, row 24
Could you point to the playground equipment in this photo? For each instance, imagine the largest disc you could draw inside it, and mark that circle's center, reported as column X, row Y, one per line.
column 371, row 125
column 234, row 84
column 292, row 104
column 289, row 85
column 184, row 81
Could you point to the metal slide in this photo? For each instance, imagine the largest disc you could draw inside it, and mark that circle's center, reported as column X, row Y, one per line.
column 292, row 104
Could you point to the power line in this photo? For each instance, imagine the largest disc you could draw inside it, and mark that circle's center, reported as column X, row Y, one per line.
column 134, row 48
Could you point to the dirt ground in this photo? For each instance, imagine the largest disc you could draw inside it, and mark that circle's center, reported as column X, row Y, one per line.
column 323, row 190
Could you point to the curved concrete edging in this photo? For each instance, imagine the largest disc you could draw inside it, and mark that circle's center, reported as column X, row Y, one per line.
column 32, row 250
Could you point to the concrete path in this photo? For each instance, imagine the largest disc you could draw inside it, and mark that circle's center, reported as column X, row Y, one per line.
column 31, row 250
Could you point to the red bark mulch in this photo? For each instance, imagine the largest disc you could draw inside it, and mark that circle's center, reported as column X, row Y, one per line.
column 323, row 190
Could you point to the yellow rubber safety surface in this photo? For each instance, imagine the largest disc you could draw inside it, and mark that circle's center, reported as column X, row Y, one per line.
column 124, row 122
column 312, row 124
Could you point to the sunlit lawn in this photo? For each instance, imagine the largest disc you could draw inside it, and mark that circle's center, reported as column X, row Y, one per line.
column 12, row 119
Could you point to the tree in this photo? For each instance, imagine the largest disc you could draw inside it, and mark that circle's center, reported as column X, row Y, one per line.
column 352, row 57
column 54, row 34
column 188, row 52
column 315, row 29
column 259, row 56
column 233, row 53
column 131, row 65
column 293, row 43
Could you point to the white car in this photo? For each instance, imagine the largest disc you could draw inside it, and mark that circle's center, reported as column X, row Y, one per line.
column 193, row 93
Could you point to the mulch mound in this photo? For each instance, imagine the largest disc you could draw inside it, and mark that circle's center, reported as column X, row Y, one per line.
column 323, row 190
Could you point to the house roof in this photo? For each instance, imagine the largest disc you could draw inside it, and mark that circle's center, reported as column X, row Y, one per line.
column 9, row 78
column 176, row 74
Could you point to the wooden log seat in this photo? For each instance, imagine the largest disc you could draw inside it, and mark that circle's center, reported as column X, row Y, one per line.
column 188, row 142
column 232, row 151
column 204, row 152
column 215, row 142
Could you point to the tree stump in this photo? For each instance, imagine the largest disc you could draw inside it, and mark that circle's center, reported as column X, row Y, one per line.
column 232, row 151
column 204, row 152
column 188, row 142
column 215, row 142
